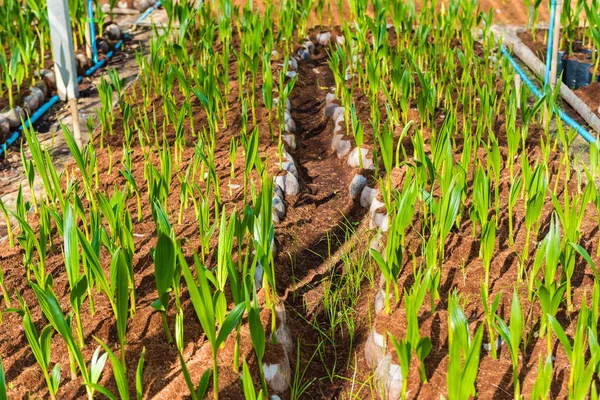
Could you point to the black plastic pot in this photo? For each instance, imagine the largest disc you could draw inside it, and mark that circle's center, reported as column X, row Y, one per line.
column 588, row 53
column 584, row 75
column 570, row 68
column 559, row 63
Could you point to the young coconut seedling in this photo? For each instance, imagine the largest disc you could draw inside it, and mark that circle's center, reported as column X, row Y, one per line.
column 51, row 309
column 390, row 263
column 421, row 345
column 580, row 374
column 571, row 215
column 489, row 311
column 463, row 352
column 78, row 283
column 7, row 221
column 205, row 307
column 512, row 336
column 199, row 392
column 549, row 292
column 536, row 184
column 543, row 381
column 40, row 345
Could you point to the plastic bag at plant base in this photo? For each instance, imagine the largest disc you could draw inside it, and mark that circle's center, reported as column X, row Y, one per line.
column 559, row 63
column 584, row 75
column 570, row 73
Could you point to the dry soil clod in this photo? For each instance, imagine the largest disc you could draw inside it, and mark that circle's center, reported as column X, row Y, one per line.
column 4, row 126
column 13, row 116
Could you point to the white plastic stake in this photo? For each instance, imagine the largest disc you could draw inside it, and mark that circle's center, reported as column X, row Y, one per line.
column 65, row 68
column 555, row 43
column 62, row 49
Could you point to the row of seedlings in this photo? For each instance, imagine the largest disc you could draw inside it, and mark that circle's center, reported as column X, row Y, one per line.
column 276, row 367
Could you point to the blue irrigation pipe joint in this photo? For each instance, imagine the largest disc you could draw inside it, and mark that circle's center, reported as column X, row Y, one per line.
column 566, row 118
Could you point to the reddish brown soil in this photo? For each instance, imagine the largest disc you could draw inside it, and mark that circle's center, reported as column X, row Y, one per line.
column 506, row 12
column 591, row 96
column 311, row 232
column 539, row 44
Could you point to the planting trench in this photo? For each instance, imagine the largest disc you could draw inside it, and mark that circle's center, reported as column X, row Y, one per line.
column 320, row 226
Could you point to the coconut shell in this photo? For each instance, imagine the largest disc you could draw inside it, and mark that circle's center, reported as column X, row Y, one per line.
column 31, row 103
column 41, row 97
column 290, row 141
column 112, row 31
column 49, row 78
column 103, row 46
column 388, row 377
column 43, row 86
column 82, row 61
column 4, row 126
column 276, row 366
column 375, row 348
column 13, row 116
column 141, row 5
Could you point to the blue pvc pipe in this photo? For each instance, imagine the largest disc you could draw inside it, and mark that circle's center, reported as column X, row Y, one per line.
column 101, row 63
column 567, row 119
column 36, row 115
column 148, row 12
column 550, row 39
column 53, row 100
column 92, row 31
